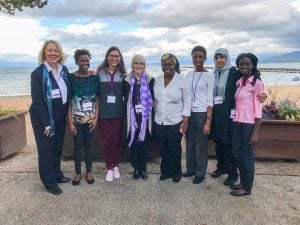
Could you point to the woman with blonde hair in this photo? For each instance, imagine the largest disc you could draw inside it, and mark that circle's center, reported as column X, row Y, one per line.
column 48, row 110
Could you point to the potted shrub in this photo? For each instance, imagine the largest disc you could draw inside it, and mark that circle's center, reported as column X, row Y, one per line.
column 279, row 134
column 12, row 131
column 280, row 130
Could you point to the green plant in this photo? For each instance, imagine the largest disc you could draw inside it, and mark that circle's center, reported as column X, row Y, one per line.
column 8, row 112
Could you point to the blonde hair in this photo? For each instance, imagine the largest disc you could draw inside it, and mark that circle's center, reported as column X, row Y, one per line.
column 61, row 54
column 139, row 58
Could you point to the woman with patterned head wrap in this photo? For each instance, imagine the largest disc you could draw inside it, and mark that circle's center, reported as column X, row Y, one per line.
column 172, row 96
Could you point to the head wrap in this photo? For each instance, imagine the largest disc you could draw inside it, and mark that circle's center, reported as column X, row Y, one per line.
column 221, row 74
column 174, row 60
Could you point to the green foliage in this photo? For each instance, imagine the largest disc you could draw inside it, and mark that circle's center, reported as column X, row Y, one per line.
column 8, row 112
column 289, row 113
column 10, row 6
column 282, row 110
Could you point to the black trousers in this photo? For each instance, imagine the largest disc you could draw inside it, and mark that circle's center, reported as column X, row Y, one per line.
column 49, row 152
column 225, row 159
column 83, row 140
column 139, row 155
column 169, row 140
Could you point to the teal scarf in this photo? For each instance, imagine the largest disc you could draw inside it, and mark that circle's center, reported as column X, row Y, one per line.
column 47, row 94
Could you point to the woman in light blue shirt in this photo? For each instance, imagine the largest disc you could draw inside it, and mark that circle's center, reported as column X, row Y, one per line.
column 172, row 96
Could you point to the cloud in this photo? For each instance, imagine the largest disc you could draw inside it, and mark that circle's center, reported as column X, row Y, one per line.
column 20, row 39
column 152, row 27
column 87, row 8
column 90, row 28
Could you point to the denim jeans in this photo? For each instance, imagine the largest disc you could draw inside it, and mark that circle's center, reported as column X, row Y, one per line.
column 243, row 153
column 196, row 164
column 83, row 140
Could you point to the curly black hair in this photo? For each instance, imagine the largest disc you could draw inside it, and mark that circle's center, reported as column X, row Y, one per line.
column 254, row 60
column 80, row 52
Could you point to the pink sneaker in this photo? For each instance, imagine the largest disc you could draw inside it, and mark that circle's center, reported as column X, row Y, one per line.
column 109, row 175
column 116, row 172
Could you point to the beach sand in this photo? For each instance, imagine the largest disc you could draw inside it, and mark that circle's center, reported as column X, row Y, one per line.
column 284, row 92
column 15, row 102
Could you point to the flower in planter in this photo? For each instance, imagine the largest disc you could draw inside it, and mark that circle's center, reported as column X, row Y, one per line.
column 284, row 110
column 276, row 108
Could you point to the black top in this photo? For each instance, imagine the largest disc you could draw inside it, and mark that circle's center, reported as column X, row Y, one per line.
column 38, row 108
column 221, row 121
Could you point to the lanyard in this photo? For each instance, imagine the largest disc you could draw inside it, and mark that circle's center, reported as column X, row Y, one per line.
column 111, row 78
column 194, row 88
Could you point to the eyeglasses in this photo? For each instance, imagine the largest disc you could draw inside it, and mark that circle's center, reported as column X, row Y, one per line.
column 167, row 64
column 138, row 63
column 114, row 56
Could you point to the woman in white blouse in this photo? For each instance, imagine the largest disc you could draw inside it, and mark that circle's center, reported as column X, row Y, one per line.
column 172, row 96
column 201, row 83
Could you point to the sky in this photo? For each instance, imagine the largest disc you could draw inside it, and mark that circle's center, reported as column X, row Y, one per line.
column 152, row 27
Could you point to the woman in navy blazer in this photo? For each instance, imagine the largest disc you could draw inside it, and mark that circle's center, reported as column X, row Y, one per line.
column 49, row 90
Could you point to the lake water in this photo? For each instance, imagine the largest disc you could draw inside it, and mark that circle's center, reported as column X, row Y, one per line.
column 16, row 81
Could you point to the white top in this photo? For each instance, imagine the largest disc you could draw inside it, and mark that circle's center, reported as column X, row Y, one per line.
column 59, row 80
column 202, row 88
column 172, row 102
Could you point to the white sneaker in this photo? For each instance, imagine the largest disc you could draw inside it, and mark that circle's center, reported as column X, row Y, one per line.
column 109, row 175
column 116, row 172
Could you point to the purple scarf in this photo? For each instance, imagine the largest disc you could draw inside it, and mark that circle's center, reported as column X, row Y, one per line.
column 147, row 104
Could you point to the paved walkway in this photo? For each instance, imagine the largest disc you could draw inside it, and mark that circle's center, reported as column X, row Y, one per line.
column 23, row 200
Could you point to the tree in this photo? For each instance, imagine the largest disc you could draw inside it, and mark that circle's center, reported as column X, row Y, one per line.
column 10, row 6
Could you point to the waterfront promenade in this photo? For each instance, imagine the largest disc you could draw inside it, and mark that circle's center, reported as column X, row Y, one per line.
column 23, row 200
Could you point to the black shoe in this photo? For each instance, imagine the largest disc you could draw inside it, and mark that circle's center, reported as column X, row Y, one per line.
column 176, row 179
column 57, row 191
column 90, row 181
column 186, row 174
column 217, row 173
column 198, row 180
column 239, row 192
column 64, row 180
column 136, row 175
column 143, row 175
column 75, row 180
column 229, row 181
column 236, row 186
column 164, row 177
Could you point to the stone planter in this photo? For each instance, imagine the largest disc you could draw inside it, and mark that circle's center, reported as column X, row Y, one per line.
column 277, row 139
column 12, row 134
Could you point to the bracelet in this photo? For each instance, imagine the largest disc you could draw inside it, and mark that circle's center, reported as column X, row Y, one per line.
column 208, row 117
